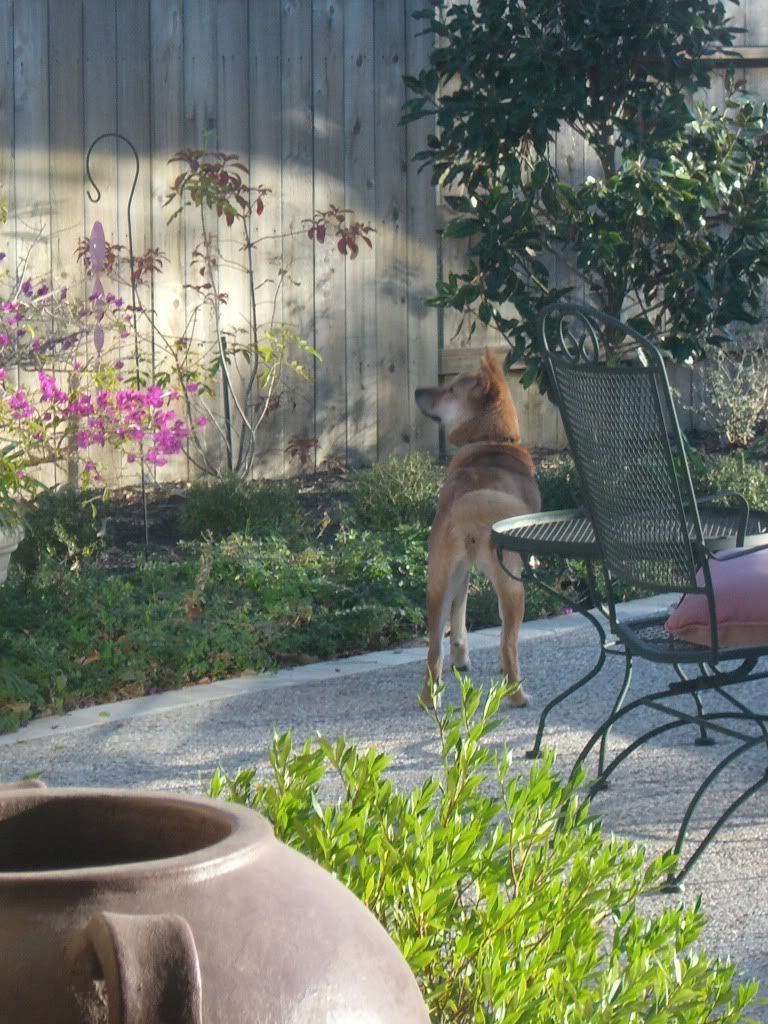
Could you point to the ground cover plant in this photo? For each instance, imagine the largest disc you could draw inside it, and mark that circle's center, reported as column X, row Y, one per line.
column 503, row 895
column 248, row 577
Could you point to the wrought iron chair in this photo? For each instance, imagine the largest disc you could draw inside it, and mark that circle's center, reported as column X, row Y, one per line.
column 614, row 397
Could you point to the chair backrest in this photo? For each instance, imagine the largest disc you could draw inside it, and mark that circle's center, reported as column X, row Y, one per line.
column 613, row 393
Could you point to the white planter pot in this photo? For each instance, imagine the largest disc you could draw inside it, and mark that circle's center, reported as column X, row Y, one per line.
column 10, row 538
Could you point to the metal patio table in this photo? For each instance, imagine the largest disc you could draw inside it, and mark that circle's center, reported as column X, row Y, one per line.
column 568, row 534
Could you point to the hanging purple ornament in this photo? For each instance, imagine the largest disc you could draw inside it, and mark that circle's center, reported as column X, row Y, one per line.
column 97, row 247
column 97, row 250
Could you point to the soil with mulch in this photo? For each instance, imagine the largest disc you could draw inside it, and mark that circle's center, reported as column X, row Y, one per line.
column 125, row 537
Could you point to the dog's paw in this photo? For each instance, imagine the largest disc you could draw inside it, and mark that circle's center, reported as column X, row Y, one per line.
column 461, row 662
column 518, row 698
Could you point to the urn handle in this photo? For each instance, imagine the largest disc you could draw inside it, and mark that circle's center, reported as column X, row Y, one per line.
column 150, row 967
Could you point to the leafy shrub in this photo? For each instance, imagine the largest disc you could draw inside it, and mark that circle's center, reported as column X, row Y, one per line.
column 60, row 524
column 254, row 508
column 504, row 897
column 714, row 473
column 363, row 591
column 734, row 393
column 399, row 490
column 556, row 476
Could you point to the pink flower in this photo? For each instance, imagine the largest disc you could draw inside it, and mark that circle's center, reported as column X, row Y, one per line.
column 49, row 389
column 193, row 387
column 154, row 396
column 202, row 421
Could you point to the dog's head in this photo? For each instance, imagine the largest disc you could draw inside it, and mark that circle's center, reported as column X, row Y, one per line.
column 473, row 406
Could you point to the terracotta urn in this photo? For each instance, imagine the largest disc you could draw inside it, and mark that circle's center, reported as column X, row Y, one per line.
column 121, row 907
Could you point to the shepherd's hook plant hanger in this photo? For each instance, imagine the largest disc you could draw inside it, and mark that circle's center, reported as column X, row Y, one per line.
column 134, row 306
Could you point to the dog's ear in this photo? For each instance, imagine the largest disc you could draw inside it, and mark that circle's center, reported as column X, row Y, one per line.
column 491, row 374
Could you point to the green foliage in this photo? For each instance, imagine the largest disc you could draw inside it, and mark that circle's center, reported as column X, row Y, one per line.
column 734, row 394
column 60, row 524
column 362, row 591
column 72, row 632
column 504, row 897
column 713, row 474
column 646, row 235
column 239, row 604
column 233, row 505
column 397, row 491
column 559, row 487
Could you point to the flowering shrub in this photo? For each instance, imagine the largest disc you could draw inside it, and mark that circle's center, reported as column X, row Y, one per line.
column 64, row 395
column 61, row 397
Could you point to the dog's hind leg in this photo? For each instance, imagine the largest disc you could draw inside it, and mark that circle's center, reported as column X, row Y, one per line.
column 459, row 644
column 511, row 597
column 445, row 580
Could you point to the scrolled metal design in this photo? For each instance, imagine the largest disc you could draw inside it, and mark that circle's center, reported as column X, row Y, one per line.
column 578, row 339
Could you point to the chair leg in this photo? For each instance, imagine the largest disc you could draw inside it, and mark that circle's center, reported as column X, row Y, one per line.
column 616, row 708
column 656, row 702
column 703, row 739
column 535, row 750
column 674, row 882
column 759, row 720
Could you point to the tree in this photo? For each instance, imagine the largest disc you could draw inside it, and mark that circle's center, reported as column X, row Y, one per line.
column 671, row 233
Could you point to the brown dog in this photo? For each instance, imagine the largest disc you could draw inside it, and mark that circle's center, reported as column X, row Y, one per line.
column 491, row 477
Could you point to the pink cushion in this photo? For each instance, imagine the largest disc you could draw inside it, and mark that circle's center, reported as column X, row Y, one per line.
column 741, row 601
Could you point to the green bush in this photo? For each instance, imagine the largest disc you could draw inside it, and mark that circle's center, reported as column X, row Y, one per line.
column 556, row 476
column 735, row 472
column 400, row 490
column 254, row 508
column 60, row 524
column 504, row 897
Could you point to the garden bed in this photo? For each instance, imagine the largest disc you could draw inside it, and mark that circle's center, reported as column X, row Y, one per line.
column 241, row 578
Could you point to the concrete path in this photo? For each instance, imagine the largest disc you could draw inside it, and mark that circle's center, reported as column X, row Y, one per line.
column 174, row 741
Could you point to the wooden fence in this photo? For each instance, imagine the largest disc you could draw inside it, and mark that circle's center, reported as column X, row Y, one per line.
column 309, row 93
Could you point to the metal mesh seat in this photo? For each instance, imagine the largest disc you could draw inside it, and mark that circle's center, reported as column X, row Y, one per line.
column 614, row 397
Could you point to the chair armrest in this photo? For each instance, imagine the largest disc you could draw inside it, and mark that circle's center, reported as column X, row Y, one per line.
column 743, row 510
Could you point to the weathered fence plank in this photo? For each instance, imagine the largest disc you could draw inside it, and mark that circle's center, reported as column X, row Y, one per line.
column 361, row 277
column 266, row 133
column 297, row 407
column 330, row 292
column 166, row 110
column 234, row 138
column 394, row 393
column 421, row 240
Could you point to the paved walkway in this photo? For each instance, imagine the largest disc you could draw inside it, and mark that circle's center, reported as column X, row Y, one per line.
column 174, row 741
